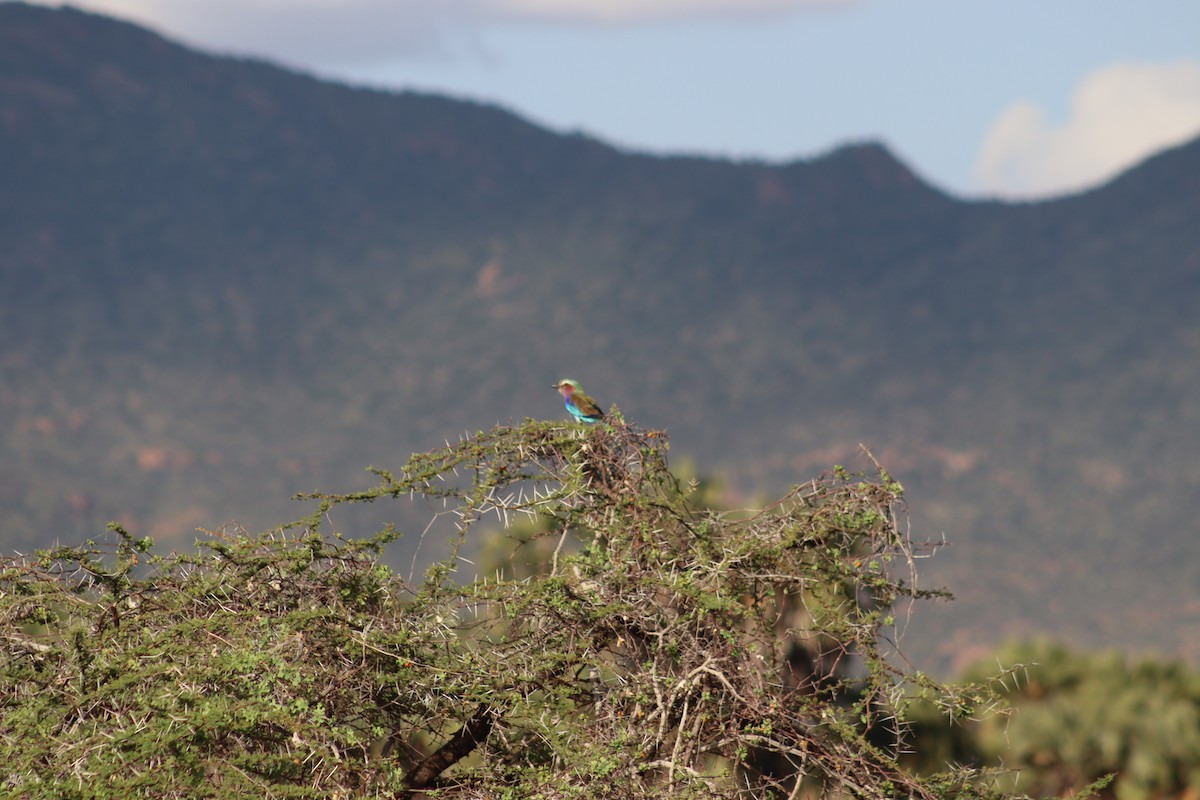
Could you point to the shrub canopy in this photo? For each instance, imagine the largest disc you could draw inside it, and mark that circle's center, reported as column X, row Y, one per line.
column 652, row 648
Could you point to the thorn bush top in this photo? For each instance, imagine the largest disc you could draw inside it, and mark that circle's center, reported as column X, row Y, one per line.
column 655, row 649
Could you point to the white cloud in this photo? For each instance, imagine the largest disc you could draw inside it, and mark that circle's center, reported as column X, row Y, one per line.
column 640, row 10
column 330, row 31
column 1118, row 115
column 303, row 32
column 583, row 10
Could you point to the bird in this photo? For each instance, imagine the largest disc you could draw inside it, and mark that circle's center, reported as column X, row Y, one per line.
column 579, row 402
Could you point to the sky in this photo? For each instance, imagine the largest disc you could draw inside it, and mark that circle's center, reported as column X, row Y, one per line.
column 1021, row 99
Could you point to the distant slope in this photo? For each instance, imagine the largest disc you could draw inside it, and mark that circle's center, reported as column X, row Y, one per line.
column 223, row 282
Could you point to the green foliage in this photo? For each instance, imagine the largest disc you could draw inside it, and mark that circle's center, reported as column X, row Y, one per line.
column 1080, row 716
column 656, row 658
column 1071, row 720
column 240, row 668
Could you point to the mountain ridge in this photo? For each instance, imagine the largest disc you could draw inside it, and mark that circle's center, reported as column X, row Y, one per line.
column 224, row 282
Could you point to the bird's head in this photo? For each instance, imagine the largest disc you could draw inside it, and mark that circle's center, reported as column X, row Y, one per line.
column 567, row 386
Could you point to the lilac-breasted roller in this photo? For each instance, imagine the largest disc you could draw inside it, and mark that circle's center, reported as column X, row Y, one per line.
column 578, row 402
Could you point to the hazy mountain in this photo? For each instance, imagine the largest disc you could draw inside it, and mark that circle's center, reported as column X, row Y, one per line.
column 222, row 282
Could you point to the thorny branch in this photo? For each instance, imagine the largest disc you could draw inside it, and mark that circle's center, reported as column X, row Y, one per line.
column 645, row 644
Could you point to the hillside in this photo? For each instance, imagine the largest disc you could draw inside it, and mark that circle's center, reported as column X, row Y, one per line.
column 222, row 283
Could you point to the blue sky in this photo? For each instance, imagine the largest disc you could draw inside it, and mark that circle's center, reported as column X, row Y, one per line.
column 1017, row 98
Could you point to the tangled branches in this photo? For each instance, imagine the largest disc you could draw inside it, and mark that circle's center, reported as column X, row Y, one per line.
column 659, row 650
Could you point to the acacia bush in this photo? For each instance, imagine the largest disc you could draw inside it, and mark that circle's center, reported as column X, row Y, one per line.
column 660, row 649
